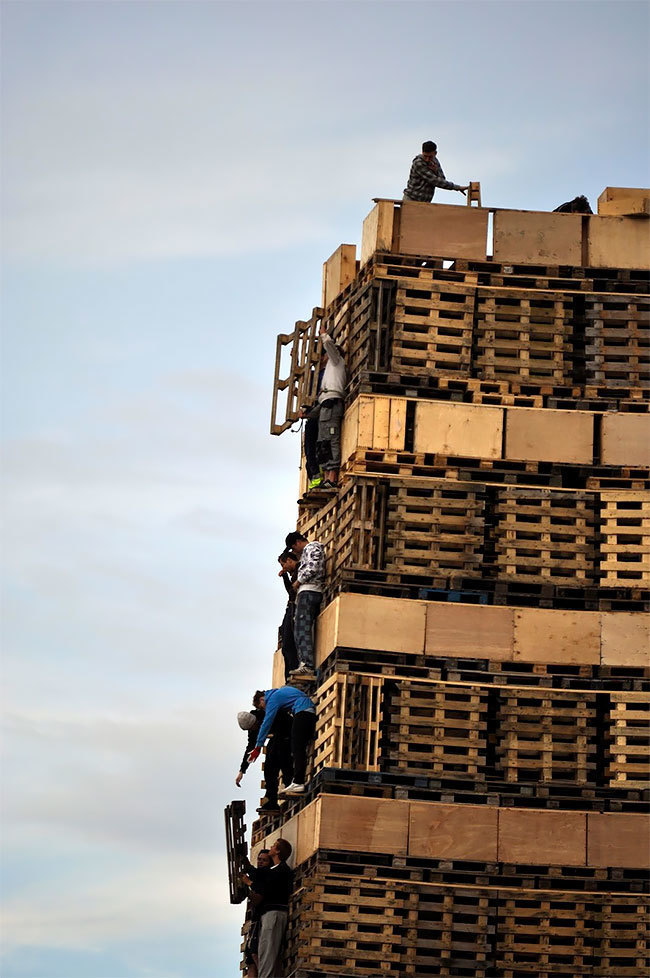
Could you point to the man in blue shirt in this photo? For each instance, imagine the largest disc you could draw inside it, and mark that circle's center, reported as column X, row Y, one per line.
column 302, row 729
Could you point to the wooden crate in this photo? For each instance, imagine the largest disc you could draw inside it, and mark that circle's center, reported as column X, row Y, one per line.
column 543, row 736
column 628, row 762
column 545, row 535
column 618, row 341
column 524, row 335
column 625, row 544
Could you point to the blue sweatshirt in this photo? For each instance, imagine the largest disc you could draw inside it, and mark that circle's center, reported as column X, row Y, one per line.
column 287, row 697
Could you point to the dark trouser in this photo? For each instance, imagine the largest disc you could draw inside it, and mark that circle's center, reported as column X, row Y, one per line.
column 302, row 733
column 311, row 435
column 287, row 641
column 328, row 448
column 278, row 758
column 307, row 607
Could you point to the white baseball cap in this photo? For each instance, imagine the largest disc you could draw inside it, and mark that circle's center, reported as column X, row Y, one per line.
column 246, row 719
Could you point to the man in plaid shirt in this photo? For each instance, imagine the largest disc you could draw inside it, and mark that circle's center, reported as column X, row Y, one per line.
column 426, row 174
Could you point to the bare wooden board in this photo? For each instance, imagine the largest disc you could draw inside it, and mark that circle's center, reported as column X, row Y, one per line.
column 369, row 621
column 624, row 201
column 277, row 678
column 537, row 237
column 625, row 638
column 350, row 431
column 338, row 271
column 618, row 242
column 618, row 839
column 458, row 429
column 625, row 439
column 549, row 436
column 365, row 824
column 326, row 630
column 467, row 630
column 377, row 234
column 443, row 229
column 571, row 637
column 542, row 837
column 438, row 831
column 308, row 830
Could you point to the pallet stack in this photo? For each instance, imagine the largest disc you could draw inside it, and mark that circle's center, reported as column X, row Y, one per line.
column 479, row 785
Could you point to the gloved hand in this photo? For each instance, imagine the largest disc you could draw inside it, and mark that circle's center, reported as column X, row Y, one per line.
column 254, row 754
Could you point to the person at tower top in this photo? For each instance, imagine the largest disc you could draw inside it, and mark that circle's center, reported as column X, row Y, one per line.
column 427, row 174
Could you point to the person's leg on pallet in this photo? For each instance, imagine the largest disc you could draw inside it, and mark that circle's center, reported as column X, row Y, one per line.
column 329, row 441
column 307, row 609
column 302, row 733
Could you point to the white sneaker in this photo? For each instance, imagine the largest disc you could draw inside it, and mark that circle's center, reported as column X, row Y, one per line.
column 294, row 789
column 302, row 670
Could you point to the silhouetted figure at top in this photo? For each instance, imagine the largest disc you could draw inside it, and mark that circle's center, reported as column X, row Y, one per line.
column 579, row 205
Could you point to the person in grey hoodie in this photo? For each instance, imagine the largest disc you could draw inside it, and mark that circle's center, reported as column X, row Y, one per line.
column 310, row 587
column 329, row 412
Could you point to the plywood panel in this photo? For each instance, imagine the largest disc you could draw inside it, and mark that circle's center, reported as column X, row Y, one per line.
column 538, row 237
column 338, row 271
column 377, row 234
column 326, row 630
column 625, row 439
column 397, row 430
column 369, row 621
column 277, row 679
column 364, row 824
column 439, row 831
column 621, row 201
column 366, row 422
column 445, row 230
column 289, row 831
column 381, row 424
column 618, row 839
column 625, row 638
column 458, row 429
column 470, row 631
column 542, row 838
column 549, row 436
column 618, row 242
column 571, row 637
column 308, row 831
column 350, row 430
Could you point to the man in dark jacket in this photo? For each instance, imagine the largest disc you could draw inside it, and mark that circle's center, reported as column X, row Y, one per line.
column 274, row 886
column 278, row 753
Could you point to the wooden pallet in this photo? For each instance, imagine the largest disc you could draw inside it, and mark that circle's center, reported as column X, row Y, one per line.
column 618, row 341
column 625, row 546
column 542, row 534
column 524, row 336
column 544, row 934
column 433, row 329
column 629, row 740
column 546, row 737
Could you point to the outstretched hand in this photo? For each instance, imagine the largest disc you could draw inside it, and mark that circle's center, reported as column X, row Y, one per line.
column 238, row 778
column 254, row 754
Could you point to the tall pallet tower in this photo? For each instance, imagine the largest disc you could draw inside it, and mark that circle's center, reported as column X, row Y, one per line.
column 478, row 791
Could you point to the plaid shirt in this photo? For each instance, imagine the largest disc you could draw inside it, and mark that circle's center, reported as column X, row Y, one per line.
column 424, row 177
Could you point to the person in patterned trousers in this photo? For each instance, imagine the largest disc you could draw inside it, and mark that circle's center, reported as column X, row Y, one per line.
column 309, row 585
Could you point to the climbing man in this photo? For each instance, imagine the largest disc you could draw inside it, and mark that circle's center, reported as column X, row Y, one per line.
column 302, row 729
column 278, row 753
column 426, row 174
column 310, row 585
column 328, row 411
column 288, row 561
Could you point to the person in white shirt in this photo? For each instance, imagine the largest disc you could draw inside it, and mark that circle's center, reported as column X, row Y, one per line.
column 329, row 412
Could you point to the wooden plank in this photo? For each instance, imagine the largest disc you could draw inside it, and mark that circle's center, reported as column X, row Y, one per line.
column 350, row 430
column 381, row 423
column 397, row 426
column 625, row 439
column 369, row 621
column 377, row 234
column 277, row 678
column 338, row 271
column 618, row 839
column 537, row 237
column 438, row 831
column 624, row 201
column 445, row 230
column 458, row 429
column 625, row 638
column 618, row 242
column 549, row 436
column 326, row 630
column 366, row 421
column 308, row 831
column 570, row 637
column 364, row 824
column 538, row 837
column 469, row 631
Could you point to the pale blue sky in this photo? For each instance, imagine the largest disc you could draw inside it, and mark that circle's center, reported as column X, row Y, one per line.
column 174, row 174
